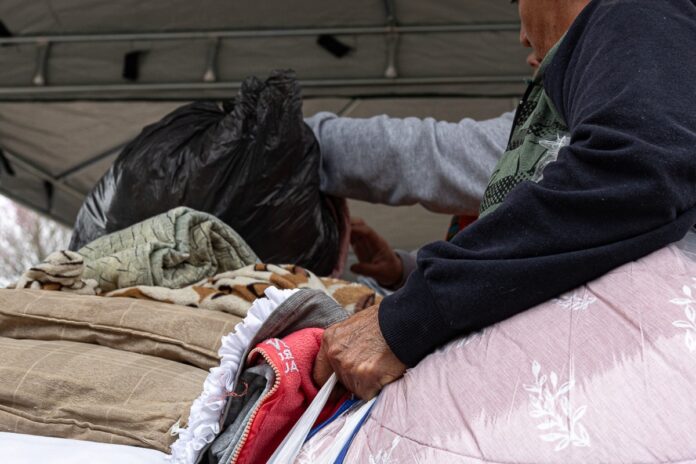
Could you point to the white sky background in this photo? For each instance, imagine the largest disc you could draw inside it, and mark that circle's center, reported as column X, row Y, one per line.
column 26, row 238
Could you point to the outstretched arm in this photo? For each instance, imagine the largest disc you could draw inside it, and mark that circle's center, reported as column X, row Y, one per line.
column 443, row 166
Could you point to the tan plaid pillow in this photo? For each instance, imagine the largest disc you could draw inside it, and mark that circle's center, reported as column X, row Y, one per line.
column 90, row 392
column 178, row 333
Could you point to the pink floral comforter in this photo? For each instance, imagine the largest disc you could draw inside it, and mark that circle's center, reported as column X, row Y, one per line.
column 605, row 373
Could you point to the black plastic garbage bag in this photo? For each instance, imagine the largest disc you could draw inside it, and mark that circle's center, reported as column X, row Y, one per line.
column 251, row 161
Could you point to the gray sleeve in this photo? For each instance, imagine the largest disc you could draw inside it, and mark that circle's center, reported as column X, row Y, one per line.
column 408, row 265
column 443, row 166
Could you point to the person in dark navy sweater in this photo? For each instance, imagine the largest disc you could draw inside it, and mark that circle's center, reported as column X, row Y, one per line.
column 600, row 170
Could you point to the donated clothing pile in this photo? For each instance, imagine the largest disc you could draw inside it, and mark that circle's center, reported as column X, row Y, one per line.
column 188, row 264
column 166, row 326
column 133, row 372
column 197, row 289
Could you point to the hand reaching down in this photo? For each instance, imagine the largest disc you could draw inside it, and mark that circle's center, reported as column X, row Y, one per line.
column 356, row 351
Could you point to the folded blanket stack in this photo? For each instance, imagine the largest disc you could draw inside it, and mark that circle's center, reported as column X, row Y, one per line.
column 112, row 343
column 172, row 250
column 182, row 257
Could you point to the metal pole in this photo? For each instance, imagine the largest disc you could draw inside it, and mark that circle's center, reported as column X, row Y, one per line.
column 22, row 201
column 390, row 10
column 349, row 108
column 203, row 86
column 392, row 72
column 210, row 74
column 43, row 175
column 392, row 40
column 250, row 34
column 91, row 161
column 42, row 53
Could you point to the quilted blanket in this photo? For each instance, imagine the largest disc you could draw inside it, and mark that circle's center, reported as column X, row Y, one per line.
column 173, row 249
column 604, row 373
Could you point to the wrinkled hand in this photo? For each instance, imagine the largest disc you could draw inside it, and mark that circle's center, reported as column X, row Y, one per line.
column 356, row 351
column 376, row 258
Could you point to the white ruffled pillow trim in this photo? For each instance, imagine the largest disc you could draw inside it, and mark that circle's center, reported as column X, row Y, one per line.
column 207, row 409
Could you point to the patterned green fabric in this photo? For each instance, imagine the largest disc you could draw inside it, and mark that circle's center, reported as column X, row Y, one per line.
column 537, row 133
column 173, row 250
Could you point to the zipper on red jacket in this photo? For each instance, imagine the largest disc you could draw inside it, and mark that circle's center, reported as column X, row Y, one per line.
column 247, row 427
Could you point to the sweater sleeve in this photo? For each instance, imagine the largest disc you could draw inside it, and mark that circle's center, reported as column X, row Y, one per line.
column 408, row 265
column 443, row 166
column 623, row 188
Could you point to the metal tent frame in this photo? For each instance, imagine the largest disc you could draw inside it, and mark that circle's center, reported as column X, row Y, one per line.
column 388, row 75
column 41, row 86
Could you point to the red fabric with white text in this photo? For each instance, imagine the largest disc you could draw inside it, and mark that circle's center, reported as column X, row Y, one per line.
column 293, row 360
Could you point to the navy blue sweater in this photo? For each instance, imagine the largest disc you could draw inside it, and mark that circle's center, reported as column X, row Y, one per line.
column 624, row 81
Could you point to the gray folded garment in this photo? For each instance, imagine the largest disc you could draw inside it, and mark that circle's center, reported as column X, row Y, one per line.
column 173, row 250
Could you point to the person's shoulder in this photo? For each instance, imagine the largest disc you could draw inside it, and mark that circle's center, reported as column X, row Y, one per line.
column 641, row 5
column 633, row 14
column 609, row 29
column 614, row 41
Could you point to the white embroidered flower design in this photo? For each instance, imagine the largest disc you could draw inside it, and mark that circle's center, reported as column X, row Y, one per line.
column 550, row 401
column 579, row 300
column 690, row 323
column 385, row 456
